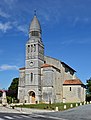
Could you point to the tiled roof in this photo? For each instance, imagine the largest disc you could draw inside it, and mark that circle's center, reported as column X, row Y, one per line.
column 73, row 82
column 22, row 68
column 46, row 65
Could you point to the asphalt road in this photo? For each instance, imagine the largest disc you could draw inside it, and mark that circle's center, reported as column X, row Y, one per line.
column 78, row 113
column 18, row 116
column 7, row 113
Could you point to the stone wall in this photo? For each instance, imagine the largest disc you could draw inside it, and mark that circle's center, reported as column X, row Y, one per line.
column 73, row 93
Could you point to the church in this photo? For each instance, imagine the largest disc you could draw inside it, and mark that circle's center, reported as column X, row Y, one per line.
column 45, row 79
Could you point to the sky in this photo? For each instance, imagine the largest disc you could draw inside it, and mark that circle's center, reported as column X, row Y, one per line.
column 66, row 34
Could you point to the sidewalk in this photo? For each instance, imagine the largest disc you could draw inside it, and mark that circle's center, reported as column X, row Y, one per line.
column 9, row 109
column 30, row 111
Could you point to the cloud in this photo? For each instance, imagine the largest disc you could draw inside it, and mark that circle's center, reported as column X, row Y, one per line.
column 67, row 42
column 10, row 2
column 78, row 41
column 8, row 67
column 84, row 41
column 8, row 5
column 3, row 14
column 22, row 28
column 5, row 26
column 81, row 20
column 75, row 21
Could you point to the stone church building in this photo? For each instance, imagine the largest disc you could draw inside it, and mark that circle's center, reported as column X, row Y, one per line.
column 46, row 79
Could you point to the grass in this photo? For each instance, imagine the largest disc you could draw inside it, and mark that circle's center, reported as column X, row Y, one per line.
column 48, row 106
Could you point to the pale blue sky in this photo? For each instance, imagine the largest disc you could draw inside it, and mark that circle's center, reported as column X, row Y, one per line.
column 66, row 34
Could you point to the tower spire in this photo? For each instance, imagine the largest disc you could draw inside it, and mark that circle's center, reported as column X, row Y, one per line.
column 35, row 28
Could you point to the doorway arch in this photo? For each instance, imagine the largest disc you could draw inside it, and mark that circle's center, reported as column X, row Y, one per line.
column 32, row 97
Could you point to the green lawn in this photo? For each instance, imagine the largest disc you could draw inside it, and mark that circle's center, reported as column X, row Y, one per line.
column 48, row 106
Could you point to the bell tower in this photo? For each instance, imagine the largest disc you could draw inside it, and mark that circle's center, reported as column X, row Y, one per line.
column 34, row 60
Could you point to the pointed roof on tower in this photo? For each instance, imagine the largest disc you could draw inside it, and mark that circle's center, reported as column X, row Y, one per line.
column 35, row 25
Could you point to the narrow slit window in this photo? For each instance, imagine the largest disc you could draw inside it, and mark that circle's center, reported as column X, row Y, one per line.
column 31, row 77
column 34, row 48
column 28, row 49
column 31, row 48
column 70, row 88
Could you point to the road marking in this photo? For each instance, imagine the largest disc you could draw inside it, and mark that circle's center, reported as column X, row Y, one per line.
column 35, row 115
column 17, row 116
column 56, row 118
column 1, row 119
column 25, row 116
column 8, row 117
column 43, row 116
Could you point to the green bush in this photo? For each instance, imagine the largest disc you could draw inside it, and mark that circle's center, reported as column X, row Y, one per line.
column 9, row 99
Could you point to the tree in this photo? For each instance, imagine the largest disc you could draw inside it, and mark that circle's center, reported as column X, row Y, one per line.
column 13, row 89
column 88, row 90
column 0, row 94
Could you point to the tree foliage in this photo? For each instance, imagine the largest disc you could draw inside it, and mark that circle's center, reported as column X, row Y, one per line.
column 0, row 94
column 88, row 90
column 13, row 88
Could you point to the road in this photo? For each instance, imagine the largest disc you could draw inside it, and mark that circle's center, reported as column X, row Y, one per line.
column 17, row 116
column 24, row 114
column 78, row 113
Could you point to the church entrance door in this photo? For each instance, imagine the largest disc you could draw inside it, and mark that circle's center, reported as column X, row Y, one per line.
column 32, row 96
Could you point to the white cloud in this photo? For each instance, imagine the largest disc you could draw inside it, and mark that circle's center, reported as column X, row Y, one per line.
column 78, row 41
column 22, row 29
column 75, row 21
column 9, row 2
column 86, row 19
column 5, row 26
column 8, row 67
column 67, row 42
column 3, row 14
column 81, row 20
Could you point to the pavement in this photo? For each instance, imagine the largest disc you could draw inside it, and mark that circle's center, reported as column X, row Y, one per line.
column 9, row 109
column 29, row 111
